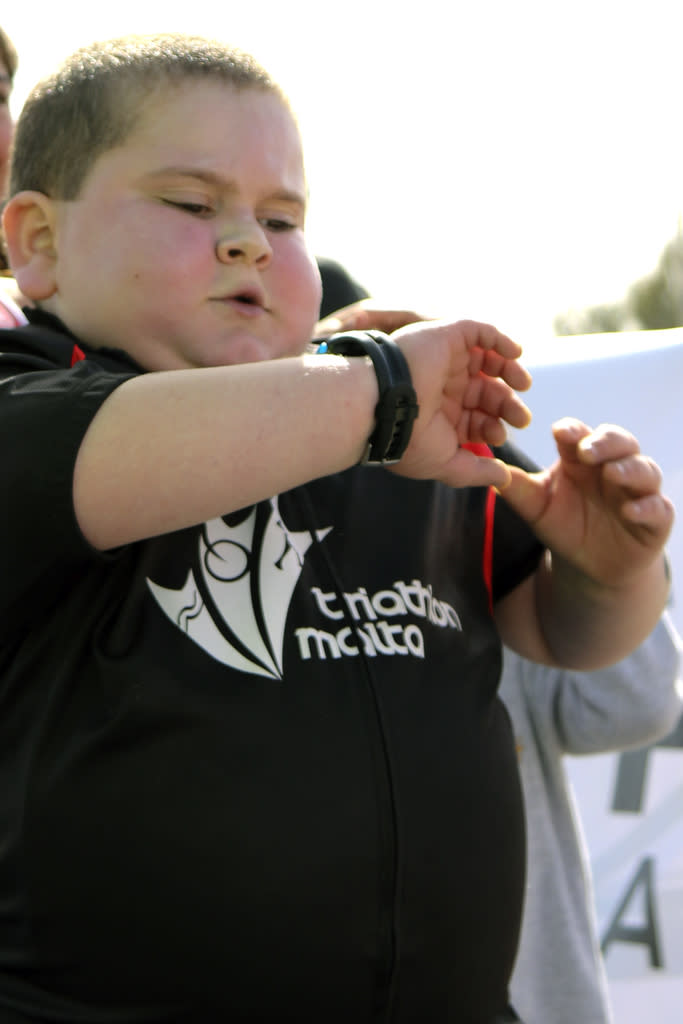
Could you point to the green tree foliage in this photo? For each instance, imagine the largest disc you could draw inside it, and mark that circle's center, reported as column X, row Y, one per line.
column 653, row 302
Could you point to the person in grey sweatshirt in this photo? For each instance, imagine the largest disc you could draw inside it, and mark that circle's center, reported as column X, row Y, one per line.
column 559, row 976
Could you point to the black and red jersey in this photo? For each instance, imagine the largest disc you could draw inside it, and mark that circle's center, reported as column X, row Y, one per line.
column 256, row 769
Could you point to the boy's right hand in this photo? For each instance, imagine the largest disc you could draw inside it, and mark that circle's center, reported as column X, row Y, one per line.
column 466, row 376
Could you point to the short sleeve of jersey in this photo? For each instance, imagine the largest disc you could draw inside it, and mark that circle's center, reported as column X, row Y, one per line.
column 44, row 413
column 516, row 549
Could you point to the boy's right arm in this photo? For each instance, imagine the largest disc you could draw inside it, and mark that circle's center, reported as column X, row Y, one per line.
column 169, row 450
column 172, row 449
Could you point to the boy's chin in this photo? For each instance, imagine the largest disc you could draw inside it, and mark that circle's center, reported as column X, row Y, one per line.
column 249, row 349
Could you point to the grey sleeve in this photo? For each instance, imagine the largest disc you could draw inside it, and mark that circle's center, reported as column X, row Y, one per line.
column 630, row 704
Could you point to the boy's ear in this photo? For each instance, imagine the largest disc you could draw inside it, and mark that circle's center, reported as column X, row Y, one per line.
column 28, row 222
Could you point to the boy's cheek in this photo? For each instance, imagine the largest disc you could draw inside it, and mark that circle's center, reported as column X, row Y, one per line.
column 297, row 280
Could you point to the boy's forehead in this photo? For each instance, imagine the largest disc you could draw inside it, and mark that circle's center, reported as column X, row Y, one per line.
column 213, row 102
column 202, row 120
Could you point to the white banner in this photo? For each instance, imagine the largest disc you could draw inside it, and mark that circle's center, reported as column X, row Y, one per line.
column 631, row 804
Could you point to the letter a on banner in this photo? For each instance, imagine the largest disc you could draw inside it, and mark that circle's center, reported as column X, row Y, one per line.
column 645, row 934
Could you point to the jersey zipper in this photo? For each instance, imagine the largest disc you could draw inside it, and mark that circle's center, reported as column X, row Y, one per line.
column 389, row 882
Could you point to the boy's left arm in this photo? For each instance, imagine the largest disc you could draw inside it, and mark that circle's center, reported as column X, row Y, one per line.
column 604, row 581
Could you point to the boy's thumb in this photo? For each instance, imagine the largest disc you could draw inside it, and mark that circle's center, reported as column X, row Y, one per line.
column 527, row 493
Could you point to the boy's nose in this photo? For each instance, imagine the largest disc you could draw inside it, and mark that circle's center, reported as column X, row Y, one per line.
column 246, row 244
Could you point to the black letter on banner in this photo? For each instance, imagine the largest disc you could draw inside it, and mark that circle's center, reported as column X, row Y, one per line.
column 645, row 935
column 632, row 772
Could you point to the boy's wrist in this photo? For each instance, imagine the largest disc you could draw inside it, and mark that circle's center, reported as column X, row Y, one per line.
column 397, row 406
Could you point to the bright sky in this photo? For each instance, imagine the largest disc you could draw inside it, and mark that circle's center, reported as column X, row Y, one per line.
column 495, row 159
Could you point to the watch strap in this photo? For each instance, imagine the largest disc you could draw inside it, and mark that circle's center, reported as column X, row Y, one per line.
column 397, row 407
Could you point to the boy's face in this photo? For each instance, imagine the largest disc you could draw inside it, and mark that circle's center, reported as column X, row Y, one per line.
column 186, row 246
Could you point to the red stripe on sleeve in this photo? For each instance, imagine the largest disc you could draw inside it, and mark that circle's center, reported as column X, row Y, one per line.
column 478, row 449
column 76, row 355
column 487, row 552
column 489, row 511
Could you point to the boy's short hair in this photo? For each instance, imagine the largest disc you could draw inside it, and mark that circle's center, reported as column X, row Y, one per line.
column 8, row 54
column 93, row 101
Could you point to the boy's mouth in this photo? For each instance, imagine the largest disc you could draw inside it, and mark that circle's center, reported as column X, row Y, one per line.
column 247, row 301
column 248, row 296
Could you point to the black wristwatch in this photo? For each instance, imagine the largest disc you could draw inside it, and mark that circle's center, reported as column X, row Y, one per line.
column 397, row 406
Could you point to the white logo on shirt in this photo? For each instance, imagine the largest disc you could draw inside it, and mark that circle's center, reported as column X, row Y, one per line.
column 237, row 609
column 237, row 571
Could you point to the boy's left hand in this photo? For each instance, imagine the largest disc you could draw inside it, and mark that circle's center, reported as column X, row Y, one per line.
column 599, row 506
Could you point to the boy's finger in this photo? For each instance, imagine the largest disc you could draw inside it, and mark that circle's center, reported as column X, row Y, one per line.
column 486, row 336
column 639, row 474
column 654, row 512
column 607, row 445
column 527, row 493
column 583, row 445
column 466, row 469
column 493, row 364
column 494, row 397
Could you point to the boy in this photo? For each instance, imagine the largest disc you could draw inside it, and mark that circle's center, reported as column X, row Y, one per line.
column 254, row 764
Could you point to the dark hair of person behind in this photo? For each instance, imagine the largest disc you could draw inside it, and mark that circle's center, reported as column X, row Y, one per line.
column 339, row 287
column 8, row 54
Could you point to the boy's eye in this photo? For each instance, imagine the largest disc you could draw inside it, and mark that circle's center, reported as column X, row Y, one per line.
column 277, row 224
column 198, row 209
